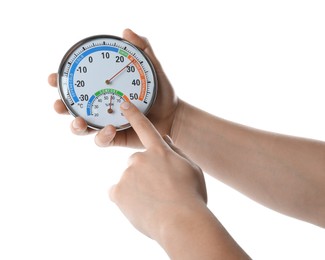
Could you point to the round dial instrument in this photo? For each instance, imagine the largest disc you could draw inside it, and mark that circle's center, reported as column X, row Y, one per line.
column 101, row 72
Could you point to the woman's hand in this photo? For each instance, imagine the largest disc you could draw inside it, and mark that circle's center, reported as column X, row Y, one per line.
column 163, row 194
column 159, row 183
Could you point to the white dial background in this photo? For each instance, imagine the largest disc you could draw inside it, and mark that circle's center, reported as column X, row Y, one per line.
column 104, row 64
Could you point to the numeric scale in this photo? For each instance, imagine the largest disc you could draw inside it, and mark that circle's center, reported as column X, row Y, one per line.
column 99, row 73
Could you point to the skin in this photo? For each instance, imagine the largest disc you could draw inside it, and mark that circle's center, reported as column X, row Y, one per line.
column 163, row 194
column 282, row 172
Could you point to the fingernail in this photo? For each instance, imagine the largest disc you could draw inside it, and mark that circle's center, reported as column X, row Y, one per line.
column 126, row 105
column 75, row 125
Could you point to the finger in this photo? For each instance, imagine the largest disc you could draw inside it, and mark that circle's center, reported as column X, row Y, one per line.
column 146, row 132
column 105, row 137
column 60, row 108
column 52, row 79
column 79, row 127
column 142, row 43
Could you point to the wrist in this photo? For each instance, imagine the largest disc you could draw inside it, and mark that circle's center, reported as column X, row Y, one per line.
column 195, row 233
column 179, row 230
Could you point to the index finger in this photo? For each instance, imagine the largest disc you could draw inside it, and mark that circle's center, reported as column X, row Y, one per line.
column 147, row 133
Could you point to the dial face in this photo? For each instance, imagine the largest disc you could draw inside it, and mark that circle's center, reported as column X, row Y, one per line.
column 99, row 73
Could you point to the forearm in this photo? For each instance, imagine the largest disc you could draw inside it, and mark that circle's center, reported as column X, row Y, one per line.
column 195, row 233
column 284, row 173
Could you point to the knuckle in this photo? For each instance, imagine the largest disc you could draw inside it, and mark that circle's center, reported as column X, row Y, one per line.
column 116, row 194
column 135, row 158
column 127, row 178
column 103, row 141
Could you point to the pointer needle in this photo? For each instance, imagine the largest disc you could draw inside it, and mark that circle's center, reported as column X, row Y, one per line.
column 108, row 81
column 110, row 110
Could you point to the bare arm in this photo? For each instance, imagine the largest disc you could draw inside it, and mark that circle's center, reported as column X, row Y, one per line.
column 282, row 172
column 197, row 234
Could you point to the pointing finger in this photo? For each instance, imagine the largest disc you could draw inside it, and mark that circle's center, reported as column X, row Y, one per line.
column 147, row 133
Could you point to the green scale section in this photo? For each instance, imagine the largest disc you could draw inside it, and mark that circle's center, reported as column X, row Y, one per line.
column 109, row 90
column 124, row 53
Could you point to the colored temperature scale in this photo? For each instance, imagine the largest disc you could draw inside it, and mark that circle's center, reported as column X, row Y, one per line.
column 101, row 72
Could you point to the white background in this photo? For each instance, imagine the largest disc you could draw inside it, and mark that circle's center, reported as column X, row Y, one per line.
column 259, row 63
